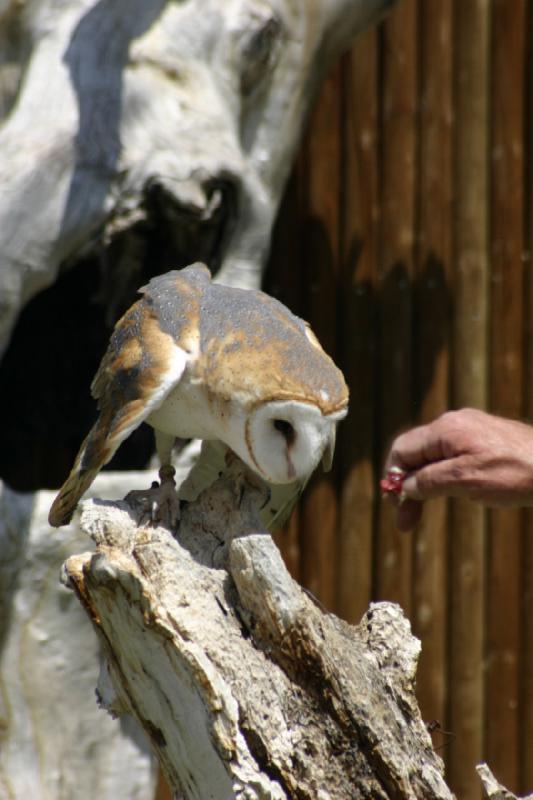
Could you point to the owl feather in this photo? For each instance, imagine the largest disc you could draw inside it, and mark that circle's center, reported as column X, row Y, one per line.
column 196, row 359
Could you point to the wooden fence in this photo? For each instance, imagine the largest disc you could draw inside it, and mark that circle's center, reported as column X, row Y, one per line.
column 405, row 239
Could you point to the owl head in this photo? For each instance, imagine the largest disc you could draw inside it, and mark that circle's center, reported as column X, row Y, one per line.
column 285, row 440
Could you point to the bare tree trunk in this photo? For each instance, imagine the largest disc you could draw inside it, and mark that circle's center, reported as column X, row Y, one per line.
column 129, row 113
column 244, row 687
column 56, row 744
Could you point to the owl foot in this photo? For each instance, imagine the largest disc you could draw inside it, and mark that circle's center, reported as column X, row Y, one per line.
column 160, row 504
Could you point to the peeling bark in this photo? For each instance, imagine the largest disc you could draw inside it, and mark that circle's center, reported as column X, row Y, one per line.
column 244, row 687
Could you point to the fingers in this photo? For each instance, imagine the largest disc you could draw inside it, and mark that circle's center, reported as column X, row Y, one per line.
column 445, row 477
column 465, row 453
column 435, row 457
column 462, row 476
column 456, row 477
column 417, row 447
column 439, row 460
column 431, row 481
column 448, row 477
column 450, row 435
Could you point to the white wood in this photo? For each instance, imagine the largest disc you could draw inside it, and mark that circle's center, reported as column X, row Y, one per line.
column 116, row 97
column 56, row 742
column 492, row 789
column 245, row 688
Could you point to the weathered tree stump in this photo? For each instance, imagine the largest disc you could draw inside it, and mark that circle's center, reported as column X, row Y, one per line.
column 243, row 685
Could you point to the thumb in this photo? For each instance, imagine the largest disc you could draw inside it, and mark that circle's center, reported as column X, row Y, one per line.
column 438, row 479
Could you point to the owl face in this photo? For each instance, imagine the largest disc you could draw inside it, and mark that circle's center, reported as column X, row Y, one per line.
column 284, row 441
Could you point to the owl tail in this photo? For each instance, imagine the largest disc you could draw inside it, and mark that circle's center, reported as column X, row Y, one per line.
column 92, row 455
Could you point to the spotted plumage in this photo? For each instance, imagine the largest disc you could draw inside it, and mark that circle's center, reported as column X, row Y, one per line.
column 196, row 359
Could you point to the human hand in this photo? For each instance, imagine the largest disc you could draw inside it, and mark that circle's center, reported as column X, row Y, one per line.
column 466, row 453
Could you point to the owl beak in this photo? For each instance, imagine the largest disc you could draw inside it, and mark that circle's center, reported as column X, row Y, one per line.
column 327, row 456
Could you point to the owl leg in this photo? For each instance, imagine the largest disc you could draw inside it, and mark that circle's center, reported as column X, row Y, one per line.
column 164, row 444
column 159, row 504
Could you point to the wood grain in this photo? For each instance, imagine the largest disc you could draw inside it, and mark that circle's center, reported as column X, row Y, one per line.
column 320, row 266
column 358, row 339
column 526, row 699
column 506, row 386
column 526, row 704
column 240, row 682
column 432, row 325
column 397, row 228
column 435, row 310
column 470, row 230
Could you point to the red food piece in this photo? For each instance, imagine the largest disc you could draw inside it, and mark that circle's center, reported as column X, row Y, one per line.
column 392, row 483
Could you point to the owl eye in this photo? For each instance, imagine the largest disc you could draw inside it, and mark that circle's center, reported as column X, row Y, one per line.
column 286, row 430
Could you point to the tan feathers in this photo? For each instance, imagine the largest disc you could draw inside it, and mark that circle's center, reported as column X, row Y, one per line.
column 197, row 359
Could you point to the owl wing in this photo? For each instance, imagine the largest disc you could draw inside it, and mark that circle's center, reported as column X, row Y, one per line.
column 142, row 365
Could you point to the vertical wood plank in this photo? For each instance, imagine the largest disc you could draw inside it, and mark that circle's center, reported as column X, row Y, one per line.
column 526, row 696
column 283, row 275
column 526, row 700
column 434, row 274
column 468, row 623
column 506, row 385
column 394, row 550
column 288, row 541
column 466, row 674
column 320, row 272
column 357, row 308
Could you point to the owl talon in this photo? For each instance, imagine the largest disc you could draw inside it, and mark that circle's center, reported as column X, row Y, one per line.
column 159, row 504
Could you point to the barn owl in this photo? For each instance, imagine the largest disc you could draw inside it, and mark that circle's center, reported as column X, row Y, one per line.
column 196, row 359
